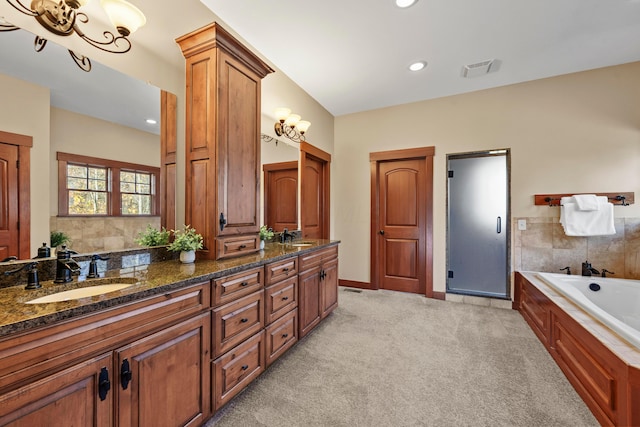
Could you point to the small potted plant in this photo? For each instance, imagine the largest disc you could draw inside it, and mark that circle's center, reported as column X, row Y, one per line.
column 186, row 242
column 59, row 238
column 265, row 234
column 153, row 237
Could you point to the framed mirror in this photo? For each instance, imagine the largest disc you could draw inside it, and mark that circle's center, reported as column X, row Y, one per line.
column 102, row 113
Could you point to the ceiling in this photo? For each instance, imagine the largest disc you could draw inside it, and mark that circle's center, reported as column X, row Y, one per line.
column 353, row 55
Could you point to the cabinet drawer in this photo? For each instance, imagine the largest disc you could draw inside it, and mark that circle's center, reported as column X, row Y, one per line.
column 281, row 270
column 236, row 321
column 237, row 245
column 280, row 299
column 313, row 259
column 281, row 335
column 233, row 371
column 235, row 286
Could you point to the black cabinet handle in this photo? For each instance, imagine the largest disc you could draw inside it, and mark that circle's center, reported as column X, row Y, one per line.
column 285, row 335
column 245, row 367
column 104, row 385
column 285, row 269
column 125, row 374
column 242, row 247
column 323, row 275
column 285, row 298
column 244, row 320
column 244, row 284
column 222, row 221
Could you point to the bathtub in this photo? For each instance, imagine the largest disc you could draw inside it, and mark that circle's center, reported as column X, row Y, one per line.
column 614, row 302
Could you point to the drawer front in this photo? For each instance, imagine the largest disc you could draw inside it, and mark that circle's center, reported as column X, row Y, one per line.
column 281, row 270
column 280, row 299
column 236, row 321
column 313, row 259
column 281, row 335
column 237, row 245
column 229, row 288
column 236, row 369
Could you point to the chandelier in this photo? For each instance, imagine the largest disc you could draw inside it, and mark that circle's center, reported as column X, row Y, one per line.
column 61, row 17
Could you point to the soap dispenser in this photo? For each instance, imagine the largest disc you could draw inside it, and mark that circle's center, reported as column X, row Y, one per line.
column 44, row 251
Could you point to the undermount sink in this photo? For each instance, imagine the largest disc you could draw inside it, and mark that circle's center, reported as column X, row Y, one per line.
column 296, row 245
column 84, row 292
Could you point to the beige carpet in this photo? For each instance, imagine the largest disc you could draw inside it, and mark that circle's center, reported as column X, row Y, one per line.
column 393, row 359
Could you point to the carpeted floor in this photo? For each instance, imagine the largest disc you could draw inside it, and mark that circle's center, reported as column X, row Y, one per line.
column 394, row 359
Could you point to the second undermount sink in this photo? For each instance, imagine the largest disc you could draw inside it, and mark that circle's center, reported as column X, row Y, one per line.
column 84, row 292
column 297, row 245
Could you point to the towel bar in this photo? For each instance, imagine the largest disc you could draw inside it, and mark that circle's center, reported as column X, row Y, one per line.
column 620, row 199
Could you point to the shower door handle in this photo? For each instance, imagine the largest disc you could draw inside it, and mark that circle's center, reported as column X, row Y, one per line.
column 499, row 225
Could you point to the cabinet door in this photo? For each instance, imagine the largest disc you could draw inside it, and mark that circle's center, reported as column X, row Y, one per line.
column 309, row 304
column 238, row 146
column 329, row 284
column 69, row 397
column 163, row 379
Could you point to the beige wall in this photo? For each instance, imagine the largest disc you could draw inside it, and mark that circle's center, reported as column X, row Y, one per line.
column 25, row 110
column 573, row 133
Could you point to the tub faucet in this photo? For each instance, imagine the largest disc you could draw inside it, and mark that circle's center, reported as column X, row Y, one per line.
column 568, row 269
column 605, row 271
column 588, row 270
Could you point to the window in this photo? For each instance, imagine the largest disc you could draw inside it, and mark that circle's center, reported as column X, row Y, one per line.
column 90, row 186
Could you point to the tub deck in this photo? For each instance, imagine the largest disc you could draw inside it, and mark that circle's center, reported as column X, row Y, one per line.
column 603, row 367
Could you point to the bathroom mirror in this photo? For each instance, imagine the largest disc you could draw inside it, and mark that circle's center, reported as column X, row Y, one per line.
column 101, row 113
column 280, row 183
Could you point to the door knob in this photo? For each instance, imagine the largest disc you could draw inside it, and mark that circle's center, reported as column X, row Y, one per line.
column 381, row 232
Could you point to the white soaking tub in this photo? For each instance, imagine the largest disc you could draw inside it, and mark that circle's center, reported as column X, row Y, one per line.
column 614, row 302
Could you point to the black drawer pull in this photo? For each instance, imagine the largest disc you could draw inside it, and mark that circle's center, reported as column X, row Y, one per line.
column 242, row 246
column 285, row 335
column 285, row 298
column 245, row 367
column 285, row 269
column 244, row 320
column 244, row 283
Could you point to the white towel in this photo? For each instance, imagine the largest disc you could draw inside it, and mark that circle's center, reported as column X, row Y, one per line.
column 587, row 223
column 588, row 202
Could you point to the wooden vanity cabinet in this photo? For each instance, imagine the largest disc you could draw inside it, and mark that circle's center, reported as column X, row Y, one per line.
column 163, row 379
column 69, row 395
column 57, row 372
column 281, row 307
column 318, row 287
column 222, row 141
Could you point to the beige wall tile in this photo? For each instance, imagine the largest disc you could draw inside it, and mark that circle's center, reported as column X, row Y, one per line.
column 538, row 235
column 562, row 241
column 536, row 259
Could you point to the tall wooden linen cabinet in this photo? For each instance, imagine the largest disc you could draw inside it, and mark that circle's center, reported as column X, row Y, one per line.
column 222, row 141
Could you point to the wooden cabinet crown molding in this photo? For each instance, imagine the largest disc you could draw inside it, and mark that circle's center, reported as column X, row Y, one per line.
column 214, row 36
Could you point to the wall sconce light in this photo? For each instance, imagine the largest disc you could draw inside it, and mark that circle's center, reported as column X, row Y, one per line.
column 290, row 125
column 61, row 17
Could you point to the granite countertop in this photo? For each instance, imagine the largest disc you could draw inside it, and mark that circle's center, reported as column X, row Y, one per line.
column 151, row 279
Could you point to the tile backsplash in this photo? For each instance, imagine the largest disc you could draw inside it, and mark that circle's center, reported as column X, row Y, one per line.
column 102, row 233
column 543, row 246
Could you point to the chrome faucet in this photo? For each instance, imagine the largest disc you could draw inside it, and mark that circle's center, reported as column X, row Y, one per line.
column 588, row 270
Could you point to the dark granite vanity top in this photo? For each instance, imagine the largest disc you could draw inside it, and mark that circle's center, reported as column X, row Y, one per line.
column 149, row 279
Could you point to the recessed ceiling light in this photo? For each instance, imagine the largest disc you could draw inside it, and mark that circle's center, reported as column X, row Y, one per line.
column 417, row 66
column 405, row 3
column 151, row 121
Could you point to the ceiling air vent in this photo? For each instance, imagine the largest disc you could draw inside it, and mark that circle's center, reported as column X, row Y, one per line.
column 477, row 69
